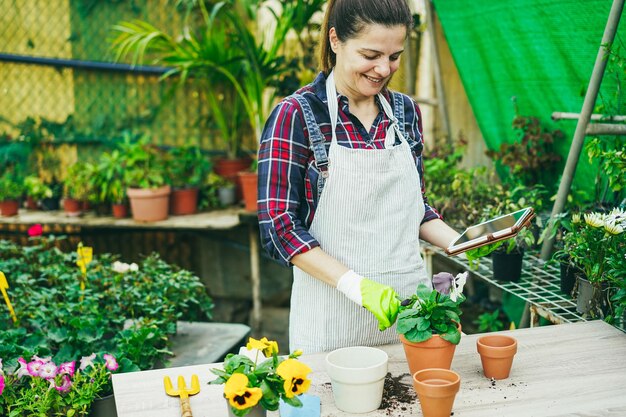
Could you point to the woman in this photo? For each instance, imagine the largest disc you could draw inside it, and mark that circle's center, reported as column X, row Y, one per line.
column 340, row 184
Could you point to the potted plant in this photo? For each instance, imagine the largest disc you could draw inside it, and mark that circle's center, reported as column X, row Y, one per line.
column 219, row 190
column 187, row 170
column 429, row 324
column 11, row 191
column 508, row 258
column 36, row 190
column 249, row 187
column 76, row 187
column 258, row 381
column 113, row 188
column 39, row 386
column 145, row 178
column 594, row 239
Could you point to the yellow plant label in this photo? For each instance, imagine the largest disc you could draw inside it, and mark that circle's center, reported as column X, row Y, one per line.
column 4, row 286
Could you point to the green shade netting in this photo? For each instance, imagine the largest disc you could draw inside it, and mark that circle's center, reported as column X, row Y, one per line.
column 541, row 52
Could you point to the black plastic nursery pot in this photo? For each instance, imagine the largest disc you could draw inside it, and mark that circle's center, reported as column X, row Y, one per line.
column 507, row 266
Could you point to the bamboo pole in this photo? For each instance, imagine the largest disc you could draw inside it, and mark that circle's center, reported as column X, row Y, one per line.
column 583, row 120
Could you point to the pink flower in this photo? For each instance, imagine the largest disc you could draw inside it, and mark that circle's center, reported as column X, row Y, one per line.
column 48, row 370
column 35, row 230
column 34, row 367
column 65, row 385
column 67, row 368
column 23, row 371
column 1, row 384
column 111, row 363
column 86, row 361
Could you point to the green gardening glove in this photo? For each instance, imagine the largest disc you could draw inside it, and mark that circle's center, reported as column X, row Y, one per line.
column 381, row 300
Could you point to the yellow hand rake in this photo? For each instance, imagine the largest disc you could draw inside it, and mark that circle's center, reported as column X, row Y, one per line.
column 183, row 392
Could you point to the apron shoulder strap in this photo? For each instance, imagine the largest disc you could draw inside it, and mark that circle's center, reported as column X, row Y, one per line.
column 398, row 111
column 317, row 140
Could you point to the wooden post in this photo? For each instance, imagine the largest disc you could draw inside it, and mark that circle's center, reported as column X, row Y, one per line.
column 583, row 121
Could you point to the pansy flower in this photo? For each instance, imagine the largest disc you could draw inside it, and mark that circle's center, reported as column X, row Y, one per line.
column 111, row 363
column 294, row 373
column 239, row 395
column 268, row 347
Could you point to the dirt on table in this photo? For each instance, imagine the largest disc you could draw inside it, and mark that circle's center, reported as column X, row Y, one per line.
column 398, row 394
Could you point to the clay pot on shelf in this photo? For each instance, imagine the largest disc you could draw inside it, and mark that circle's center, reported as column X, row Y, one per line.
column 496, row 355
column 119, row 211
column 149, row 204
column 433, row 353
column 184, row 201
column 72, row 207
column 436, row 389
column 357, row 375
column 9, row 208
column 249, row 183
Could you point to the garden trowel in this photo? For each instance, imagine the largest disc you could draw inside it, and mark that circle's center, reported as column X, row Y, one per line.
column 183, row 392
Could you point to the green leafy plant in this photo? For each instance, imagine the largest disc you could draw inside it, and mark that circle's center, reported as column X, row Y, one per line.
column 262, row 378
column 36, row 188
column 77, row 184
column 130, row 312
column 187, row 166
column 489, row 322
column 42, row 387
column 110, row 168
column 143, row 163
column 433, row 311
column 11, row 185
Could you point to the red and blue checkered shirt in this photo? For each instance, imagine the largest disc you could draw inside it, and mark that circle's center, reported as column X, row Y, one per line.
column 288, row 175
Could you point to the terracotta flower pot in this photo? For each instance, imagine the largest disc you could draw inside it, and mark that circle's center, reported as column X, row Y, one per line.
column 184, row 201
column 249, row 183
column 436, row 389
column 72, row 207
column 496, row 354
column 433, row 353
column 150, row 204
column 229, row 168
column 120, row 211
column 9, row 208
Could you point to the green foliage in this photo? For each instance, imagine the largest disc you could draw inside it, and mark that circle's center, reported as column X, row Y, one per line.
column 489, row 322
column 78, row 182
column 610, row 155
column 111, row 173
column 143, row 163
column 187, row 166
column 532, row 159
column 72, row 395
column 36, row 188
column 130, row 314
column 428, row 312
column 11, row 185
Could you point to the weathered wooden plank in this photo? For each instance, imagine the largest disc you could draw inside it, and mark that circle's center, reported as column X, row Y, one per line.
column 565, row 370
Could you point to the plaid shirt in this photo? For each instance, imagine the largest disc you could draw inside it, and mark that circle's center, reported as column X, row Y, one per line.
column 288, row 174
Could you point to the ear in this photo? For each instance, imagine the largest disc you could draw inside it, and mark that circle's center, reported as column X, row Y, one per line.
column 334, row 40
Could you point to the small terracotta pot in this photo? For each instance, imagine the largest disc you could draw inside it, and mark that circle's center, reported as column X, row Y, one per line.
column 184, row 201
column 249, row 184
column 433, row 353
column 9, row 208
column 436, row 389
column 496, row 354
column 120, row 211
column 150, row 204
column 72, row 207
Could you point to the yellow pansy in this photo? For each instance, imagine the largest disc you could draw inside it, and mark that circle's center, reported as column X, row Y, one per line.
column 268, row 347
column 295, row 375
column 239, row 395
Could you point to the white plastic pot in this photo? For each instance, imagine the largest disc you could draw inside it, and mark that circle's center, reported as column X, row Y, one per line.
column 357, row 375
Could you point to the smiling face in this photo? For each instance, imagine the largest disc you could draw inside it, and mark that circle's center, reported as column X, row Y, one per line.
column 365, row 63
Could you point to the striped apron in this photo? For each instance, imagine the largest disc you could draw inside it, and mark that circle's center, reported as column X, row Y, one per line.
column 368, row 217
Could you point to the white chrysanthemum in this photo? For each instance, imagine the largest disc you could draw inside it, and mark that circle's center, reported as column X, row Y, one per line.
column 613, row 228
column 576, row 218
column 594, row 219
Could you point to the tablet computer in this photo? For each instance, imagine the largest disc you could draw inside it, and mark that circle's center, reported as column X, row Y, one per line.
column 493, row 230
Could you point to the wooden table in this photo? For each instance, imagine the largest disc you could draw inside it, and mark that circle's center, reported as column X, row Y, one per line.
column 574, row 369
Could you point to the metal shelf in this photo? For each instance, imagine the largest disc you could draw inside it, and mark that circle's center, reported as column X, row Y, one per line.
column 539, row 286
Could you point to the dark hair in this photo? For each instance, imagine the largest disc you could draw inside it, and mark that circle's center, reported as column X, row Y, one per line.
column 349, row 17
